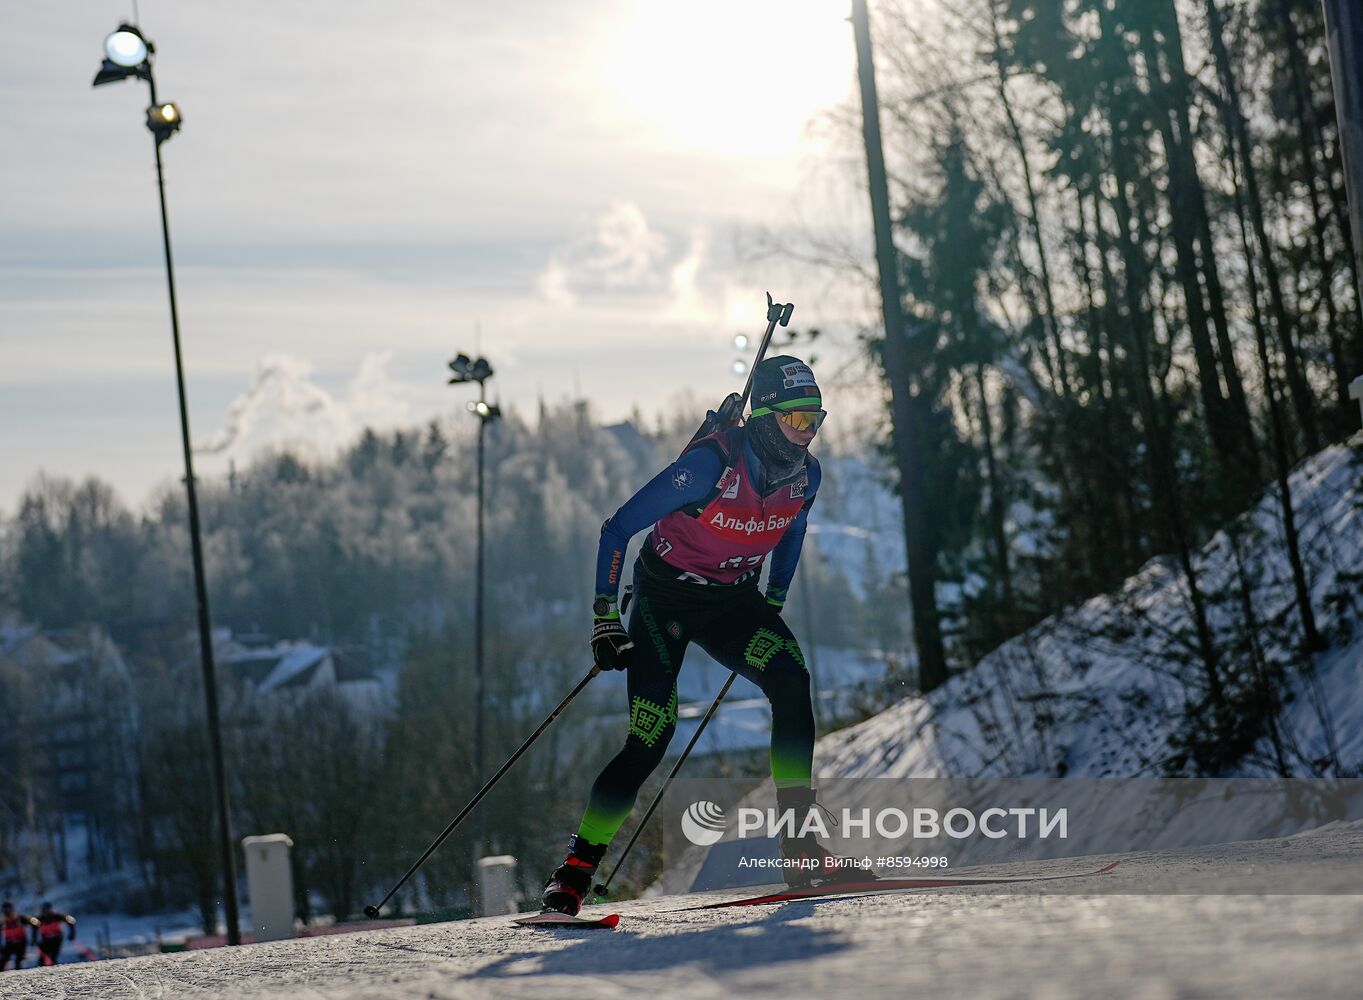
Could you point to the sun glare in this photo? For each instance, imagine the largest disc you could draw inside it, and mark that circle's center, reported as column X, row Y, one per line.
column 737, row 77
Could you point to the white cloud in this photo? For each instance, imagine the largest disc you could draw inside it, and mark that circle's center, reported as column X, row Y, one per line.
column 620, row 256
column 284, row 407
column 620, row 253
column 553, row 285
column 626, row 249
column 687, row 305
column 282, row 388
column 375, row 398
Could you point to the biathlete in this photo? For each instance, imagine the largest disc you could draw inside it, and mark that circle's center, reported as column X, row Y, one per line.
column 14, row 932
column 733, row 498
column 47, row 935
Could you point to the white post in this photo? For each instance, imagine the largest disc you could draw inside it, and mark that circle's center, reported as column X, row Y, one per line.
column 497, row 885
column 269, row 880
column 1356, row 392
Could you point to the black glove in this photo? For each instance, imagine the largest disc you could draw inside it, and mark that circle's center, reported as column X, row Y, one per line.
column 610, row 643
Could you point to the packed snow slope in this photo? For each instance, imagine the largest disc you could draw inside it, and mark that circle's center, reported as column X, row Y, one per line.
column 1099, row 690
column 1092, row 939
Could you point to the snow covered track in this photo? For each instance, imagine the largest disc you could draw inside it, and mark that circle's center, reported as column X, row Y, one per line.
column 964, row 942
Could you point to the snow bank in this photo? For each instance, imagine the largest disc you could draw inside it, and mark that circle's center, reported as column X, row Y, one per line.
column 1099, row 690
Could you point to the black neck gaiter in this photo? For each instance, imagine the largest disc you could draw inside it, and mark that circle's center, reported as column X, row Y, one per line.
column 780, row 457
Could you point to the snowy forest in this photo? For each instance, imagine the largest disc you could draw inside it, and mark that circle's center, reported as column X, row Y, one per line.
column 1125, row 249
column 1132, row 305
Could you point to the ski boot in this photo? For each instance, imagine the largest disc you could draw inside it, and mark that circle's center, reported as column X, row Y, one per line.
column 572, row 880
column 808, row 862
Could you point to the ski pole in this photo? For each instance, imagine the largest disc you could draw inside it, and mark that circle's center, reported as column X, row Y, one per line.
column 90, row 956
column 777, row 312
column 731, row 410
column 602, row 888
column 373, row 911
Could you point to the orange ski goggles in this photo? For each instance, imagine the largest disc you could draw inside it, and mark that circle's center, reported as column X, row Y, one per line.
column 802, row 420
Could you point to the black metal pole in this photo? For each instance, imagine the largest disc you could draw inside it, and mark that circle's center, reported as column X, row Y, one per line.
column 210, row 680
column 480, row 827
column 1344, row 33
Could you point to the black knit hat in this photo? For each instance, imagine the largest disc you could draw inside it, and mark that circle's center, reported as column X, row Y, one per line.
column 784, row 383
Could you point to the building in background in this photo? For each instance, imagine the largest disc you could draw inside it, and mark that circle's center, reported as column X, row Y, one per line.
column 68, row 731
column 288, row 669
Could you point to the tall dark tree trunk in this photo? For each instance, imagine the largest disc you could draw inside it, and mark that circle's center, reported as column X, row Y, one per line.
column 1309, row 141
column 1100, row 551
column 1265, row 678
column 1163, row 478
column 1183, row 190
column 1337, row 195
column 1311, row 639
column 1033, row 215
column 1287, row 336
column 1182, row 98
column 1182, row 101
column 998, row 507
column 910, row 403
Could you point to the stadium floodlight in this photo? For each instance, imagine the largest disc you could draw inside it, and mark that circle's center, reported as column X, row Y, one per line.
column 466, row 369
column 164, row 120
column 126, row 47
column 127, row 53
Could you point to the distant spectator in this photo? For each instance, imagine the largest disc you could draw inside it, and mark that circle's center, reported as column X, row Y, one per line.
column 47, row 935
column 14, row 928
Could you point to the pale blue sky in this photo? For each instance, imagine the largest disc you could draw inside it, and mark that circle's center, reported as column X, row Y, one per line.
column 355, row 193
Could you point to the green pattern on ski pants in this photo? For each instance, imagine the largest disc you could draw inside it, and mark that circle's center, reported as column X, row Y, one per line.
column 765, row 644
column 648, row 721
column 743, row 632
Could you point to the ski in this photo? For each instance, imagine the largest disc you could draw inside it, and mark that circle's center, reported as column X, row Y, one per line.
column 876, row 886
column 552, row 918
